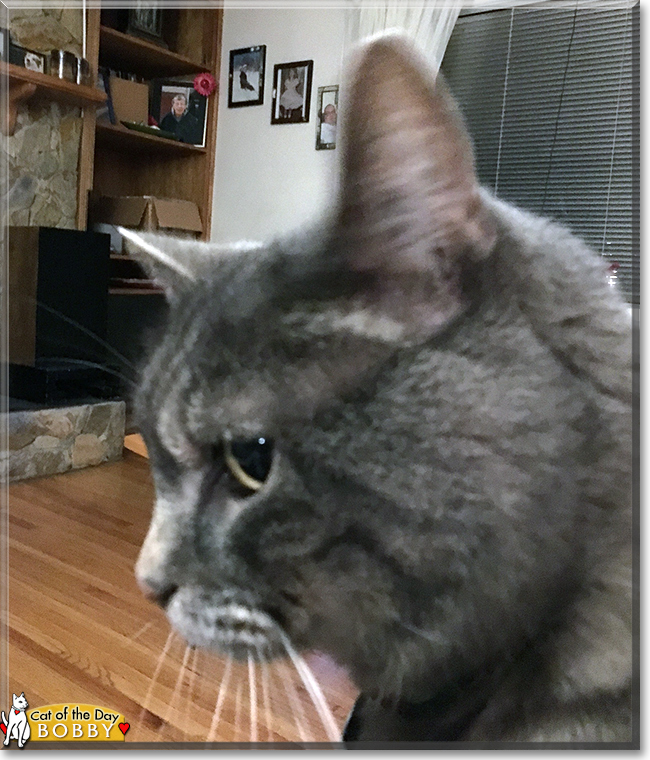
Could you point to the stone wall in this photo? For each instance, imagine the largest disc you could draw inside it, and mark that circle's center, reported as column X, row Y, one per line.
column 50, row 441
column 42, row 157
column 45, row 29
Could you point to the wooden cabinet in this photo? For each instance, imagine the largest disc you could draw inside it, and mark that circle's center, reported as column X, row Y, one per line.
column 119, row 161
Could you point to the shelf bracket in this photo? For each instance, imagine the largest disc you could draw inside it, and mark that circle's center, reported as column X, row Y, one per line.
column 18, row 93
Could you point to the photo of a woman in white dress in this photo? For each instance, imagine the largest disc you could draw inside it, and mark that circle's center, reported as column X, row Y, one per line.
column 292, row 98
column 292, row 90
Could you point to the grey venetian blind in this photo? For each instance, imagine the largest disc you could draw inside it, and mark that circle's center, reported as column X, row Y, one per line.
column 550, row 95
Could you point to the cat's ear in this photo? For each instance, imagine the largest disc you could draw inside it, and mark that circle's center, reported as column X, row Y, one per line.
column 411, row 215
column 174, row 264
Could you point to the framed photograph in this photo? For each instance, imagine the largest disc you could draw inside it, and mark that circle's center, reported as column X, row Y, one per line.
column 246, row 77
column 4, row 44
column 145, row 20
column 28, row 59
column 179, row 109
column 291, row 92
column 328, row 111
column 105, row 113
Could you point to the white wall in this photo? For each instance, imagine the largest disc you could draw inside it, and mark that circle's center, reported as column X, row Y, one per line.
column 270, row 179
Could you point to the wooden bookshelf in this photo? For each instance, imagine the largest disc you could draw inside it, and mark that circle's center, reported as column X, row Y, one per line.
column 128, row 162
column 123, row 161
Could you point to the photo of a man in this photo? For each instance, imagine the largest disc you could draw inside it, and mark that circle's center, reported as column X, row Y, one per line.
column 328, row 108
column 328, row 124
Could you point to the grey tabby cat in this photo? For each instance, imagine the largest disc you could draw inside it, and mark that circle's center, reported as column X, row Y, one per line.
column 403, row 438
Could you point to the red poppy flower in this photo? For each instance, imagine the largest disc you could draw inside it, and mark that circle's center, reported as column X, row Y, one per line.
column 204, row 84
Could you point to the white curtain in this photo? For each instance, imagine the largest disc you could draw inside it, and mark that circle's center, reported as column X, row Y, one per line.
column 429, row 24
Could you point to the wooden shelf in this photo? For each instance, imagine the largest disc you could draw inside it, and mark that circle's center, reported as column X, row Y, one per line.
column 121, row 137
column 57, row 89
column 24, row 84
column 125, row 52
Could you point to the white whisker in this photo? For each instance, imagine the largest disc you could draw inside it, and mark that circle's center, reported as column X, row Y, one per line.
column 190, row 691
column 252, row 690
column 156, row 673
column 434, row 638
column 156, row 253
column 103, row 368
column 266, row 697
column 144, row 628
column 225, row 679
column 237, row 735
column 178, row 686
column 298, row 710
column 89, row 333
column 314, row 690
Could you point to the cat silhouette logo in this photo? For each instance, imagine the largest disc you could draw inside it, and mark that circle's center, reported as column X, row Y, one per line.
column 17, row 726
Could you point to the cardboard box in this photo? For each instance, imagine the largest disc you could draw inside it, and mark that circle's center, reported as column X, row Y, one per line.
column 130, row 100
column 146, row 212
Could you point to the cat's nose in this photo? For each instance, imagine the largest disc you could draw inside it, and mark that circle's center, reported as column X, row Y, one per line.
column 157, row 592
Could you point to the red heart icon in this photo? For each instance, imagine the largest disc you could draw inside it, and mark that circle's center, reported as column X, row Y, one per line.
column 124, row 727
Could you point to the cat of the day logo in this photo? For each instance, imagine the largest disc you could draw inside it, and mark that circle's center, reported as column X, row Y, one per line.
column 63, row 723
column 17, row 725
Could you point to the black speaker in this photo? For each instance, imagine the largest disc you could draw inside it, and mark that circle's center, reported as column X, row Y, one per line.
column 58, row 303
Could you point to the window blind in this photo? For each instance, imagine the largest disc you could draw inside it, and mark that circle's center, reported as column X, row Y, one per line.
column 550, row 96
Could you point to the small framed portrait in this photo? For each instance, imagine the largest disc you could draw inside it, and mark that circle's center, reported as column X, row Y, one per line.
column 328, row 111
column 246, row 77
column 4, row 44
column 145, row 20
column 291, row 92
column 178, row 108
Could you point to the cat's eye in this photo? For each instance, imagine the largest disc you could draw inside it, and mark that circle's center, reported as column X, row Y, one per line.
column 249, row 461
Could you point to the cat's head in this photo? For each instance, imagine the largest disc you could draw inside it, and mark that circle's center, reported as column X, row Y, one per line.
column 300, row 492
column 19, row 702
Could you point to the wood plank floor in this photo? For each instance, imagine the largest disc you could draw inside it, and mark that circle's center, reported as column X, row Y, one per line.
column 80, row 631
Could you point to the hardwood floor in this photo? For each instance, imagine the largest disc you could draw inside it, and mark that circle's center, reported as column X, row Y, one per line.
column 80, row 630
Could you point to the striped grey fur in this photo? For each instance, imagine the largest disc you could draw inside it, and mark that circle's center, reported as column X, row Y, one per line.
column 447, row 382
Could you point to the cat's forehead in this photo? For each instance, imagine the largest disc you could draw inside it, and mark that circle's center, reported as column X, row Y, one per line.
column 216, row 367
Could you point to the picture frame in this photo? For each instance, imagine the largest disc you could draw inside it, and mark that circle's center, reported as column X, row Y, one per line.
column 146, row 21
column 246, row 76
column 291, row 92
column 4, row 44
column 105, row 112
column 327, row 116
column 28, row 59
column 189, row 126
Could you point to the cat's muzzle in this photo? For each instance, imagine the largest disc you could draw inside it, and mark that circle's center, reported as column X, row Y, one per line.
column 226, row 622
